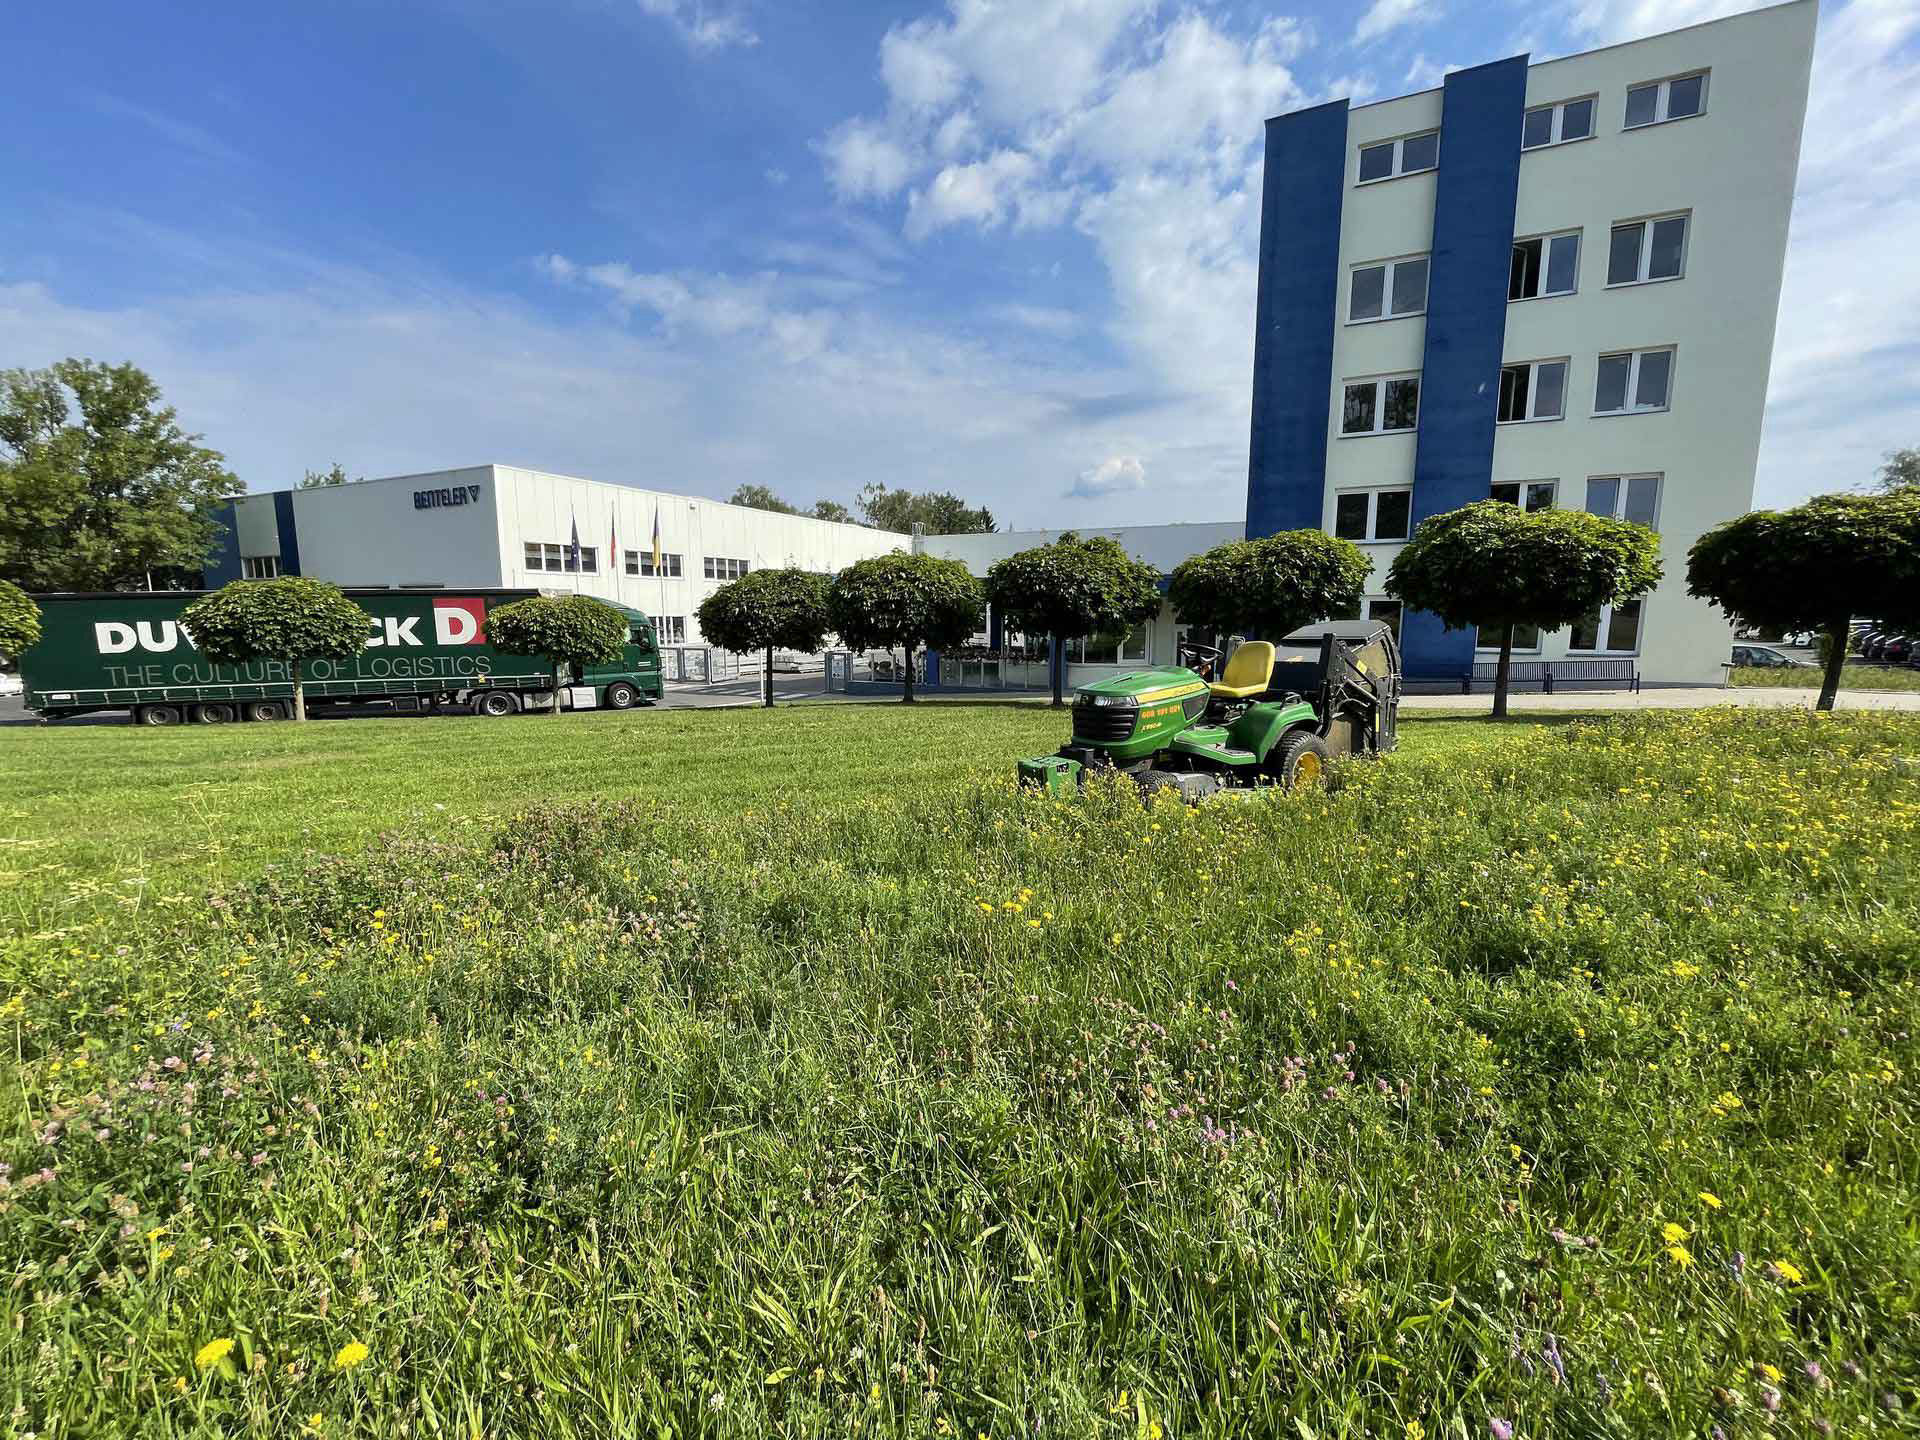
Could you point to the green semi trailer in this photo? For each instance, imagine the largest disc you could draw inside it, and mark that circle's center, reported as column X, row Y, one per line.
column 126, row 650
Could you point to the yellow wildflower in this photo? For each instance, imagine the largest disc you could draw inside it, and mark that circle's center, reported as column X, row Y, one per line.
column 1789, row 1271
column 1672, row 1233
column 1709, row 1199
column 1680, row 1255
column 1770, row 1372
column 212, row 1353
column 351, row 1354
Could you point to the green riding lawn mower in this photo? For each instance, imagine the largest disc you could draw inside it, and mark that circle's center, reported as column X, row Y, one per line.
column 1277, row 716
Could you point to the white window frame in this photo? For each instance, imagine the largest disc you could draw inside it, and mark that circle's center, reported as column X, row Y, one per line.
column 1665, row 97
column 556, row 559
column 1539, row 641
column 1559, row 109
column 259, row 567
column 1646, row 224
column 1399, row 144
column 1546, row 260
column 1373, row 494
column 640, row 563
column 1523, row 493
column 1622, row 480
column 1140, row 635
column 1604, row 623
column 589, row 559
column 533, row 557
column 1391, row 269
column 669, row 629
column 1368, row 602
column 1633, row 380
column 1379, row 384
column 1532, row 367
column 722, row 567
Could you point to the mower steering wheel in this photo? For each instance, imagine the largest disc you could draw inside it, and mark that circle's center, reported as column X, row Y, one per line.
column 1199, row 651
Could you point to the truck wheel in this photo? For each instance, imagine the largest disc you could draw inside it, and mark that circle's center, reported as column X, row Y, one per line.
column 495, row 702
column 157, row 715
column 213, row 713
column 266, row 710
column 622, row 696
column 1303, row 761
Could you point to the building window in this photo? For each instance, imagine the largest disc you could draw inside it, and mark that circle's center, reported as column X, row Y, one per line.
column 1406, row 156
column 670, row 629
column 556, row 557
column 1534, row 494
column 1557, row 124
column 1388, row 289
column 1544, row 265
column 589, row 560
column 1382, row 406
column 723, row 569
column 1110, row 648
column 1525, row 638
column 259, row 567
column 1626, row 497
column 640, row 562
column 1644, row 250
column 1610, row 630
column 1372, row 514
column 1532, row 390
column 1633, row 381
column 1661, row 100
column 1387, row 612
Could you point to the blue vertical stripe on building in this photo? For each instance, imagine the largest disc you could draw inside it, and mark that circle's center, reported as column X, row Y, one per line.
column 1306, row 176
column 289, row 534
column 224, row 565
column 1473, row 211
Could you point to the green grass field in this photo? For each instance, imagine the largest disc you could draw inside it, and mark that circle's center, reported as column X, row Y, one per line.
column 1852, row 677
column 743, row 1073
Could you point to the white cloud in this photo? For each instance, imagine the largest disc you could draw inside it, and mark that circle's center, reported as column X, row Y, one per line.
column 1387, row 15
column 701, row 27
column 918, row 71
column 775, row 175
column 1113, row 474
column 1425, row 74
column 865, row 162
column 1608, row 21
column 1045, row 319
column 984, row 192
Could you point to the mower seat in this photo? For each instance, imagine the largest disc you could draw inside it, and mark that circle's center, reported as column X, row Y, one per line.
column 1249, row 672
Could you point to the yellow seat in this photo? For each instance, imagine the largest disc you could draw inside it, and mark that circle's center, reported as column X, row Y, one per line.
column 1249, row 670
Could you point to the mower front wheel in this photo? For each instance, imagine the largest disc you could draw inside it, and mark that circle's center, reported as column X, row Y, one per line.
column 1302, row 762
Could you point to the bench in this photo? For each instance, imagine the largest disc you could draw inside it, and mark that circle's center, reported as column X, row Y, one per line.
column 1617, row 674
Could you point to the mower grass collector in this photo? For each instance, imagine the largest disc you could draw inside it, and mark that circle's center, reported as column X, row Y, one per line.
column 1276, row 717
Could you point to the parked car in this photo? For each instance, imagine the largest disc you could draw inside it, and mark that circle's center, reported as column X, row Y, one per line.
column 1898, row 650
column 10, row 683
column 1871, row 642
column 1765, row 657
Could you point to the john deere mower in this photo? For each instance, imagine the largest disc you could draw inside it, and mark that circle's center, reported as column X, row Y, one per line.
column 1277, row 715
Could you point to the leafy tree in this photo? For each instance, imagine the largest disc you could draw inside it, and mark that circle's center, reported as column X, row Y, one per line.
column 832, row 510
column 321, row 479
column 906, row 600
column 99, row 487
column 1272, row 585
column 1492, row 565
column 1901, row 472
column 768, row 610
column 19, row 621
column 1071, row 588
column 1815, row 567
column 570, row 629
column 937, row 513
column 759, row 497
column 291, row 619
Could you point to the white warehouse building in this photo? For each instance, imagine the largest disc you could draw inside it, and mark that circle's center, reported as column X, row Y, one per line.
column 500, row 526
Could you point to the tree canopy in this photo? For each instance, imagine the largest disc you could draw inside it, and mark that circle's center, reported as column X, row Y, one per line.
column 1493, row 565
column 99, row 486
column 334, row 474
column 1271, row 585
column 768, row 610
column 761, row 497
column 1073, row 587
column 1815, row 567
column 936, row 512
column 19, row 621
column 905, row 600
column 291, row 619
column 1900, row 472
column 572, row 629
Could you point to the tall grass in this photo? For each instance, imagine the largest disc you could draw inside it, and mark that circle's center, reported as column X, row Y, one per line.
column 1559, row 1081
column 1852, row 677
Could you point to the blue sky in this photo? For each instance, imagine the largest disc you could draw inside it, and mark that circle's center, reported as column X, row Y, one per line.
column 1002, row 247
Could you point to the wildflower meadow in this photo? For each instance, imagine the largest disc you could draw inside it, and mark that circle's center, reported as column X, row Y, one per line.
column 792, row 1074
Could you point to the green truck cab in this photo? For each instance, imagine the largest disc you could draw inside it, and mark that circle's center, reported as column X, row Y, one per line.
column 426, row 649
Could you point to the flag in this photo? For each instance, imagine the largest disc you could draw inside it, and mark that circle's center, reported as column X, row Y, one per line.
column 573, row 548
column 656, row 539
column 613, row 545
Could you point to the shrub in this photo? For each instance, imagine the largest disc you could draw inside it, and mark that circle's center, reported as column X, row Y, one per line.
column 290, row 619
column 905, row 600
column 768, row 610
column 1071, row 588
column 569, row 629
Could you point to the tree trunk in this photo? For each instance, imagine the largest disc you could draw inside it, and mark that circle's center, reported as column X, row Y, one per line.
column 299, row 694
column 766, row 688
column 1837, row 637
column 1056, row 662
column 553, row 705
column 906, row 674
column 1501, row 672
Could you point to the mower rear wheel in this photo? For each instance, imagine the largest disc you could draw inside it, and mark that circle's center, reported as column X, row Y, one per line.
column 1303, row 761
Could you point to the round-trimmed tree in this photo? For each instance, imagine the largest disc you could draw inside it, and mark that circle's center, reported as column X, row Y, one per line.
column 906, row 600
column 1272, row 585
column 19, row 620
column 768, row 610
column 575, row 630
column 1492, row 565
column 1071, row 588
column 1815, row 567
column 291, row 619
